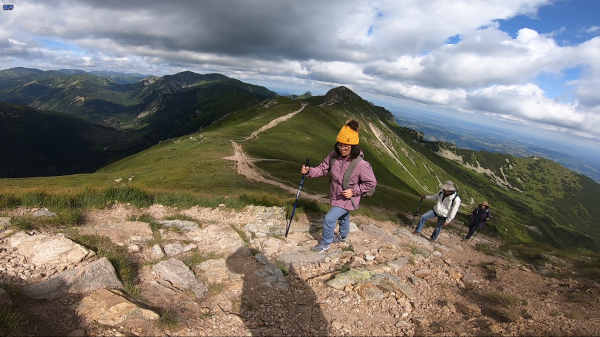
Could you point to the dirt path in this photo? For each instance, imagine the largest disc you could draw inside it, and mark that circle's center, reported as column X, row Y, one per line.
column 274, row 122
column 245, row 168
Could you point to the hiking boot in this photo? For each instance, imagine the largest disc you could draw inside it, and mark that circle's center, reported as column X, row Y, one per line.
column 320, row 248
column 338, row 239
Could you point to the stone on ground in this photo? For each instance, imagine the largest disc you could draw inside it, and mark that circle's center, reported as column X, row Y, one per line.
column 110, row 308
column 81, row 280
column 121, row 233
column 44, row 250
column 175, row 274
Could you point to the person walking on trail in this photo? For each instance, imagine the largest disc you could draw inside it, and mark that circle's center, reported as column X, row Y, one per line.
column 360, row 181
column 480, row 216
column 445, row 209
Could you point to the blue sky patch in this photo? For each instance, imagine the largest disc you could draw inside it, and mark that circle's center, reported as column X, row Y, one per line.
column 570, row 20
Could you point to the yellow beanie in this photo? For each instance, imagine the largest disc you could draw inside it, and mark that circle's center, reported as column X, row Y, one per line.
column 349, row 133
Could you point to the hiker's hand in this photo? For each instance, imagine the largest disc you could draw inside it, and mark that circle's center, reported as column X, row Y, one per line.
column 305, row 169
column 423, row 196
column 471, row 214
column 488, row 219
column 347, row 193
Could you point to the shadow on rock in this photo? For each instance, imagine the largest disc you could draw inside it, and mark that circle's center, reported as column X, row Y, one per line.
column 272, row 303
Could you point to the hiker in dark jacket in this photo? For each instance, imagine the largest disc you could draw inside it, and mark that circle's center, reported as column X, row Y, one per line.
column 479, row 217
column 448, row 203
column 362, row 180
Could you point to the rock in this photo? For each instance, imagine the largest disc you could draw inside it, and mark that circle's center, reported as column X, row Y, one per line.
column 469, row 278
column 351, row 277
column 156, row 252
column 380, row 235
column 4, row 223
column 398, row 263
column 415, row 238
column 219, row 239
column 110, row 308
column 392, row 283
column 272, row 276
column 370, row 292
column 369, row 257
column 181, row 224
column 5, row 300
column 269, row 221
column 173, row 249
column 81, row 280
column 178, row 276
column 77, row 333
column 437, row 254
column 48, row 250
column 420, row 321
column 122, row 233
column 215, row 271
column 133, row 248
column 305, row 257
column 554, row 260
column 163, row 297
column 261, row 258
column 271, row 246
column 384, row 281
column 43, row 212
column 422, row 273
column 441, row 247
column 415, row 280
column 468, row 309
column 361, row 250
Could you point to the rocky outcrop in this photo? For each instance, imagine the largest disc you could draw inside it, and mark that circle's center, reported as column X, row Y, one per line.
column 42, row 249
column 175, row 274
column 81, row 280
column 109, row 307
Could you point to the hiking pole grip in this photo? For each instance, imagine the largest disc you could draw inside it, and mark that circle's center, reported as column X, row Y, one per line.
column 296, row 202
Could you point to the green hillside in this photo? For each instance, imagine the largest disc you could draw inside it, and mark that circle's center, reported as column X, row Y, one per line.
column 41, row 143
column 534, row 200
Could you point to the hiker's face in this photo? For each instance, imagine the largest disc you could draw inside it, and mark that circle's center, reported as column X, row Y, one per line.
column 447, row 192
column 344, row 149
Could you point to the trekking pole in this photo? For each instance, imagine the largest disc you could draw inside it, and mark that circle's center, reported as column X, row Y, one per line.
column 414, row 215
column 463, row 226
column 296, row 203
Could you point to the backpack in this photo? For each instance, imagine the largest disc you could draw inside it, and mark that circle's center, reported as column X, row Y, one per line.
column 348, row 173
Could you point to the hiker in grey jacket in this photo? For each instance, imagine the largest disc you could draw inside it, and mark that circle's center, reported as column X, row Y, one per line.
column 362, row 180
column 446, row 208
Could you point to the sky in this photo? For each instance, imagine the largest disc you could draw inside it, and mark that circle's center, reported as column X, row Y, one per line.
column 531, row 62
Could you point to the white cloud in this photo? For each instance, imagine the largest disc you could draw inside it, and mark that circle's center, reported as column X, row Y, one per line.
column 381, row 47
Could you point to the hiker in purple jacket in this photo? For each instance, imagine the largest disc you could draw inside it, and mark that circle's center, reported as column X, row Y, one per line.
column 362, row 180
column 479, row 217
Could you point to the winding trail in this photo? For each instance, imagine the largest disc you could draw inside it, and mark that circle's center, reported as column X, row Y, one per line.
column 246, row 168
column 274, row 122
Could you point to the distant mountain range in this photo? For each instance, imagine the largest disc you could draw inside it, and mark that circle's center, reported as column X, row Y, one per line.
column 470, row 134
column 533, row 199
column 143, row 113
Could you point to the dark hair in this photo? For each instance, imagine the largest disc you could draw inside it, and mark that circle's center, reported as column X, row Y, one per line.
column 354, row 152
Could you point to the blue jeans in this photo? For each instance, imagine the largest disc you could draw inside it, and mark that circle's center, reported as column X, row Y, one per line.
column 335, row 214
column 438, row 226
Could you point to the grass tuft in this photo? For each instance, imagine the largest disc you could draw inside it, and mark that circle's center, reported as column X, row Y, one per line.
column 12, row 322
column 503, row 299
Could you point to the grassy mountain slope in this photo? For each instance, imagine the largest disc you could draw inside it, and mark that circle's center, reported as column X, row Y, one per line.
column 554, row 206
column 563, row 200
column 45, row 143
column 101, row 100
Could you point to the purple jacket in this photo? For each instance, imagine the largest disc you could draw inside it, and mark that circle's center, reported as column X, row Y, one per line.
column 362, row 180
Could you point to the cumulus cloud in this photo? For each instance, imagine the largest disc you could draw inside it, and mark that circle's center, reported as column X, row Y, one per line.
column 379, row 47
